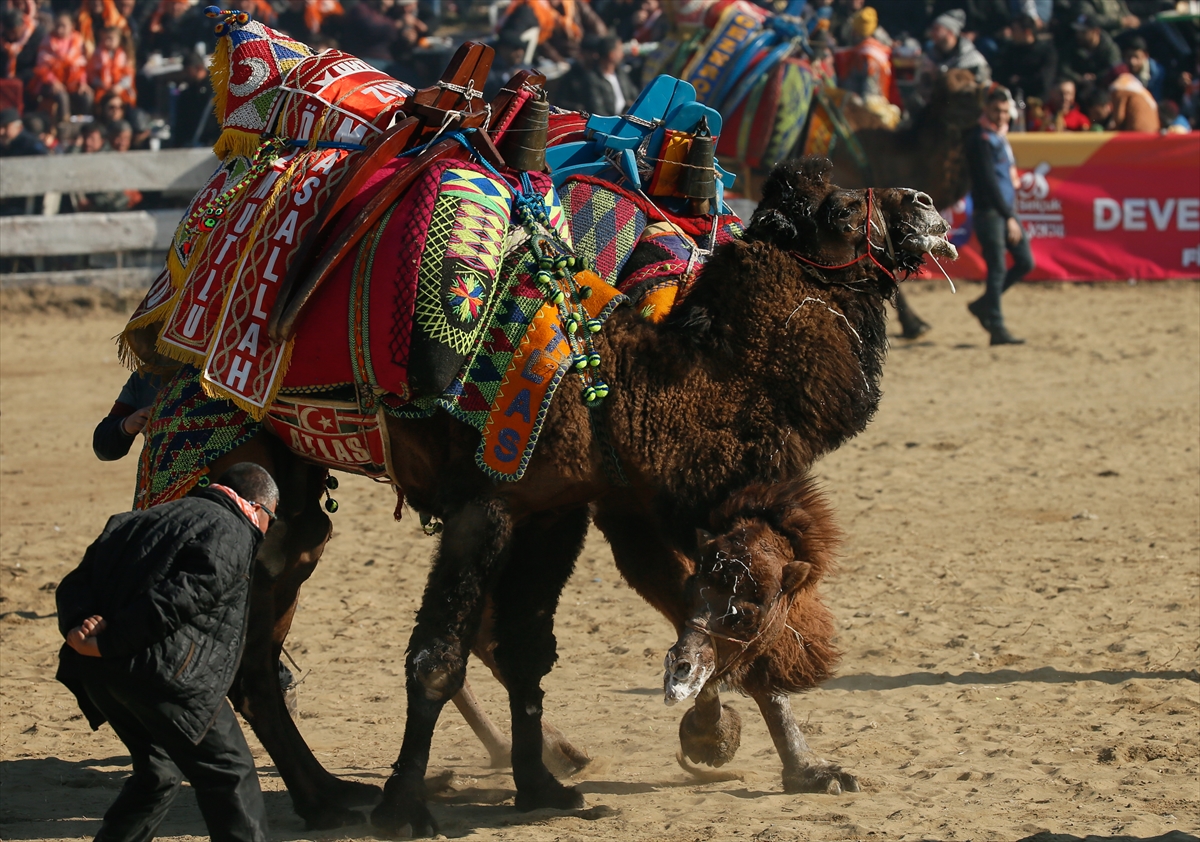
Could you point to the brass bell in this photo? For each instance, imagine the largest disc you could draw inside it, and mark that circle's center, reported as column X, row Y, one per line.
column 524, row 143
column 699, row 175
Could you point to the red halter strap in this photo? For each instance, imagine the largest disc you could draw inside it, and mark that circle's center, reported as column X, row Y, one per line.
column 864, row 256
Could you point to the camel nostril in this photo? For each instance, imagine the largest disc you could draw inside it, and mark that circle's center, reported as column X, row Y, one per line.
column 682, row 670
column 924, row 200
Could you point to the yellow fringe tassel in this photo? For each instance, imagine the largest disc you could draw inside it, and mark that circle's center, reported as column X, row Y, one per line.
column 219, row 73
column 237, row 142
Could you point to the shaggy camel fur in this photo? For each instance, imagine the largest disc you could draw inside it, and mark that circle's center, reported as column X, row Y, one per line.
column 772, row 360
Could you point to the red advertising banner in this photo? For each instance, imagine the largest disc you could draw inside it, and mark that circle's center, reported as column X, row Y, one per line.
column 1100, row 206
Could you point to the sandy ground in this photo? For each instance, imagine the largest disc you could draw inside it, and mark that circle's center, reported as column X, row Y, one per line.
column 1019, row 604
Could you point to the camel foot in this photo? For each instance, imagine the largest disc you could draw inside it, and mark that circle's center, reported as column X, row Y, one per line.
column 820, row 776
column 338, row 808
column 711, row 743
column 562, row 758
column 550, row 794
column 401, row 809
column 914, row 328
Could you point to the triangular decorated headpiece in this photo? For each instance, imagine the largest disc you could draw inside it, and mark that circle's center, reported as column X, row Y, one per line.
column 247, row 69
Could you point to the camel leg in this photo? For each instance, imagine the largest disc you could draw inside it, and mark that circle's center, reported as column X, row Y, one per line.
column 473, row 547
column 912, row 326
column 499, row 748
column 526, row 596
column 710, row 733
column 803, row 771
column 557, row 751
column 286, row 560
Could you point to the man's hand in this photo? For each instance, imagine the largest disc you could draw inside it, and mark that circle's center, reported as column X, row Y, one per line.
column 133, row 424
column 1014, row 232
column 82, row 638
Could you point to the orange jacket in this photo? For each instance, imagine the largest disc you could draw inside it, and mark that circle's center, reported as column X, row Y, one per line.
column 89, row 29
column 112, row 73
column 60, row 60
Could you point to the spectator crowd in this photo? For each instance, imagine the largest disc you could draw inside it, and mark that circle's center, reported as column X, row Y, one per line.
column 93, row 75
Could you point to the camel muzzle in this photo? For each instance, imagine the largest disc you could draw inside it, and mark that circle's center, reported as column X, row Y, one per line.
column 688, row 665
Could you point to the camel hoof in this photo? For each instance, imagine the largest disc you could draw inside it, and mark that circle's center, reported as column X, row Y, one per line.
column 551, row 794
column 393, row 816
column 357, row 794
column 713, row 744
column 823, row 777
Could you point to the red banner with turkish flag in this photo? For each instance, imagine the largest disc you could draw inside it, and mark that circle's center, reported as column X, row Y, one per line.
column 1100, row 206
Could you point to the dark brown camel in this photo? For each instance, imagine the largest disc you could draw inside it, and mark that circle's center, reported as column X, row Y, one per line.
column 773, row 360
column 927, row 154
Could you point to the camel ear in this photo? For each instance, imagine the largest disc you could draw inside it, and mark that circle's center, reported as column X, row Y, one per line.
column 795, row 574
column 703, row 536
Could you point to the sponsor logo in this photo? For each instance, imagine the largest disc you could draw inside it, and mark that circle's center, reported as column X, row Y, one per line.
column 1191, row 257
column 1039, row 212
column 1136, row 214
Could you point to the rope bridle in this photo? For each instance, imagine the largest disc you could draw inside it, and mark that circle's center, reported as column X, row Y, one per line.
column 868, row 254
column 714, row 636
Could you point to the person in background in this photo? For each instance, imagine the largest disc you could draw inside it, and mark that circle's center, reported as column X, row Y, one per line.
column 993, row 194
column 154, row 618
column 866, row 67
column 1093, row 55
column 948, row 49
column 306, row 19
column 116, row 431
column 110, row 70
column 1171, row 120
column 120, row 138
column 113, row 109
column 37, row 125
column 1130, row 108
column 1062, row 110
column 369, row 32
column 15, row 139
column 95, row 16
column 985, row 22
column 195, row 124
column 60, row 75
column 596, row 82
column 1113, row 16
column 1137, row 61
column 21, row 35
column 510, row 57
column 1027, row 62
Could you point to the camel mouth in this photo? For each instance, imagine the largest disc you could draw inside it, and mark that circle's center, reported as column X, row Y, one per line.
column 684, row 677
column 931, row 244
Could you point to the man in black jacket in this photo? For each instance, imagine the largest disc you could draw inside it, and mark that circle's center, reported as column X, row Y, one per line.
column 155, row 622
column 596, row 83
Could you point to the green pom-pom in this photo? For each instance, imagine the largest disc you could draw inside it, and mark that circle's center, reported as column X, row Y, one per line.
column 581, row 362
column 594, row 360
column 559, row 297
column 589, row 394
column 585, row 292
column 331, row 505
column 572, row 327
column 543, row 278
column 602, row 390
column 331, row 482
column 594, row 325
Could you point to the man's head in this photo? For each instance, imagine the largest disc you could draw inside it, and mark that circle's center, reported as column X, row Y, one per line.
column 947, row 29
column 1024, row 29
column 120, row 136
column 1136, row 55
column 1087, row 31
column 112, row 108
column 92, row 137
column 253, row 484
column 110, row 39
column 1064, row 94
column 195, row 67
column 997, row 106
column 12, row 24
column 64, row 25
column 864, row 22
column 1098, row 105
column 604, row 52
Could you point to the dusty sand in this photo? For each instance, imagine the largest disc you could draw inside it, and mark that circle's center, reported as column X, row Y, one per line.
column 1019, row 606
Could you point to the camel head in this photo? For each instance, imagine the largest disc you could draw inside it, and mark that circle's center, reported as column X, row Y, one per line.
column 772, row 543
column 865, row 239
column 956, row 101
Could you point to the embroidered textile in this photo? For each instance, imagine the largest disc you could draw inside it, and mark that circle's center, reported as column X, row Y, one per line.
column 604, row 227
column 187, row 432
column 333, row 434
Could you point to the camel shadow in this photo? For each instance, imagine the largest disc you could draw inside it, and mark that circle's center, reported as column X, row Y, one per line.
column 1041, row 675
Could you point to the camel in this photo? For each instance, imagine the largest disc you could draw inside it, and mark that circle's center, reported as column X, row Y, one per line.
column 702, row 405
column 772, row 360
column 927, row 153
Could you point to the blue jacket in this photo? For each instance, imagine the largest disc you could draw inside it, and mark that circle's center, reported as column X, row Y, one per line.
column 989, row 157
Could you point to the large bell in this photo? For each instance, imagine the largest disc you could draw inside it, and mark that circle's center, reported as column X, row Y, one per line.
column 524, row 143
column 699, row 174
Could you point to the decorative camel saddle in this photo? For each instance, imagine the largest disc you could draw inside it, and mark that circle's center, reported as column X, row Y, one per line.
column 366, row 249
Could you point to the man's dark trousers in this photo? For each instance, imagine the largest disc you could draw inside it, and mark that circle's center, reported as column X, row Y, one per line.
column 990, row 227
column 220, row 769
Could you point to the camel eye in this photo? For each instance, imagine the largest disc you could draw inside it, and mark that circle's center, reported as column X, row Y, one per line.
column 741, row 618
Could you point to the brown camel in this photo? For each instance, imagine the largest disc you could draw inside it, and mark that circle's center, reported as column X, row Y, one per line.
column 927, row 154
column 773, row 360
